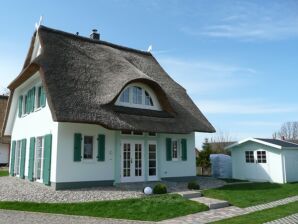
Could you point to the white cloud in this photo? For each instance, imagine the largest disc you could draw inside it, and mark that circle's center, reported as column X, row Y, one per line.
column 244, row 106
column 249, row 21
column 199, row 76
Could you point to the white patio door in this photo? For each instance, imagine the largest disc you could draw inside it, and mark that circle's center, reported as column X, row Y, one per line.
column 132, row 161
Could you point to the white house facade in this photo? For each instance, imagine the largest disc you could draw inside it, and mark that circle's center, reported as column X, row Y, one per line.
column 98, row 125
column 262, row 160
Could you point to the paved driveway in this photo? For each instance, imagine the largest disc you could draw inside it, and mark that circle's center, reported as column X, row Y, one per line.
column 18, row 217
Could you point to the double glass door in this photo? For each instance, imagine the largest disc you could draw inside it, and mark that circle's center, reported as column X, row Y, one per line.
column 132, row 161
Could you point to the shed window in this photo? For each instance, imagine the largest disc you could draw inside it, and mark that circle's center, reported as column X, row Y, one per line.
column 88, row 147
column 249, row 156
column 261, row 156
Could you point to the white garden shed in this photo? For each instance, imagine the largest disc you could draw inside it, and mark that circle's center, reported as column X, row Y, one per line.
column 259, row 159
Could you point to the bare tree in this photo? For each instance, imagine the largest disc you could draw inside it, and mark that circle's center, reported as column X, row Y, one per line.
column 288, row 131
column 220, row 140
column 4, row 91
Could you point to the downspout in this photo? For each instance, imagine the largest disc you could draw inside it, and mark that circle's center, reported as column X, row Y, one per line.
column 284, row 176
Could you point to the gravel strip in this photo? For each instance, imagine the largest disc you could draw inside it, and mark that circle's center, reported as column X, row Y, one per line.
column 15, row 189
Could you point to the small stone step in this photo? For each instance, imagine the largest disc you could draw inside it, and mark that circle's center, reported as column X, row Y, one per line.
column 211, row 202
column 190, row 194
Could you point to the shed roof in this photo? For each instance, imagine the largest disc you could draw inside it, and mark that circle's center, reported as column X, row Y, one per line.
column 275, row 143
column 84, row 77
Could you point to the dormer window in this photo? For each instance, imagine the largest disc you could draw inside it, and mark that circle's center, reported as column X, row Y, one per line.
column 140, row 96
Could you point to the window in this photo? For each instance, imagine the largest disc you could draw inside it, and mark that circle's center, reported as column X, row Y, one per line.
column 124, row 98
column 17, row 157
column 148, row 99
column 261, row 157
column 175, row 150
column 88, row 147
column 152, row 134
column 249, row 157
column 131, row 132
column 152, row 160
column 39, row 157
column 38, row 103
column 126, row 132
column 138, row 96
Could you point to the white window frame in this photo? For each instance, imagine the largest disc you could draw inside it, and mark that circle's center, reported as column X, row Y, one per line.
column 262, row 160
column 178, row 149
column 156, row 105
column 153, row 178
column 40, row 180
column 93, row 148
column 249, row 152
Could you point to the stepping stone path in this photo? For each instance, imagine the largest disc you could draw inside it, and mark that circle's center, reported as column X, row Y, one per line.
column 210, row 202
column 291, row 219
column 229, row 211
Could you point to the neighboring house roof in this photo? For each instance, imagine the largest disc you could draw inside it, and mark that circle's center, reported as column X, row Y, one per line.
column 276, row 143
column 3, row 106
column 84, row 77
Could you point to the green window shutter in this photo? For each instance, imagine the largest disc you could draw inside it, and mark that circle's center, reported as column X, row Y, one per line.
column 184, row 149
column 20, row 105
column 47, row 159
column 12, row 158
column 23, row 159
column 42, row 97
column 169, row 149
column 77, row 147
column 31, row 159
column 101, row 148
column 32, row 99
column 26, row 104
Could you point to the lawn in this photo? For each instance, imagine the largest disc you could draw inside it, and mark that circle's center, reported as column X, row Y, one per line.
column 153, row 208
column 263, row 216
column 3, row 173
column 248, row 194
column 228, row 180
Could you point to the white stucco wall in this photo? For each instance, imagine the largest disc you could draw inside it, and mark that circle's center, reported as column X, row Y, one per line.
column 178, row 168
column 37, row 123
column 271, row 171
column 70, row 171
column 4, row 151
column 291, row 164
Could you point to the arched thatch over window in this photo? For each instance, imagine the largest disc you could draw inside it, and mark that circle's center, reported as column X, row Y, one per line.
column 138, row 95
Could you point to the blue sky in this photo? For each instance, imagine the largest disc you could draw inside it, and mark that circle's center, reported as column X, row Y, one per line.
column 238, row 60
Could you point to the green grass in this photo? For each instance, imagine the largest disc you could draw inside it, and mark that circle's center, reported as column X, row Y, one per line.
column 244, row 195
column 153, row 208
column 3, row 173
column 232, row 180
column 263, row 216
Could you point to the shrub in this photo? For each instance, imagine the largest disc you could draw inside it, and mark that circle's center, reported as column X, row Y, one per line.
column 193, row 185
column 160, row 189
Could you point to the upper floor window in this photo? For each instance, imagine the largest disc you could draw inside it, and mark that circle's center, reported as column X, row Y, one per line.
column 139, row 96
column 31, row 100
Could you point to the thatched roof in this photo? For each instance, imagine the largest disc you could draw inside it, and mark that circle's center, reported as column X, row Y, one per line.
column 83, row 78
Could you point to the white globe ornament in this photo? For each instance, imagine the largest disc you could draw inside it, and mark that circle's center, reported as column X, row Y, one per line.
column 147, row 190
